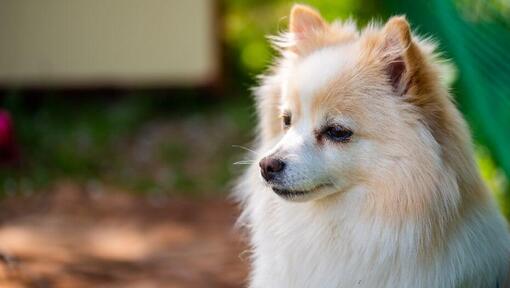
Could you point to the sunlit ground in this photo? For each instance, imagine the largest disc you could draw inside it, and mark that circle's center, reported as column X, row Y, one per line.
column 79, row 236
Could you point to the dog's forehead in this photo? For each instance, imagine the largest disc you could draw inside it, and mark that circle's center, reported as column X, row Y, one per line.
column 311, row 79
column 315, row 72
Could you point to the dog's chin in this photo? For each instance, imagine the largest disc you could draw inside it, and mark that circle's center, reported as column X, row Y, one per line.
column 304, row 195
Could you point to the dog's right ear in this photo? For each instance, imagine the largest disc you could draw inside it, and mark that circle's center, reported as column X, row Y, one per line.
column 306, row 25
column 305, row 21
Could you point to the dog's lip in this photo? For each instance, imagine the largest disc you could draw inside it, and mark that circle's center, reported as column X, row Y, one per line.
column 296, row 193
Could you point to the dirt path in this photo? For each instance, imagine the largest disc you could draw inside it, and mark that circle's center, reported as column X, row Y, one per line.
column 78, row 237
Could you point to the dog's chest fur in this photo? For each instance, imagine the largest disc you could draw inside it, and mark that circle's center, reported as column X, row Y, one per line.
column 334, row 245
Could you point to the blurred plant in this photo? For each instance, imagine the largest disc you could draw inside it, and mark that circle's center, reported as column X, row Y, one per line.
column 8, row 148
column 248, row 22
column 484, row 10
column 166, row 144
column 494, row 177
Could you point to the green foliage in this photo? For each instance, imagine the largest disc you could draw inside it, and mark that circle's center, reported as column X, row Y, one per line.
column 247, row 23
column 494, row 177
column 65, row 138
column 157, row 144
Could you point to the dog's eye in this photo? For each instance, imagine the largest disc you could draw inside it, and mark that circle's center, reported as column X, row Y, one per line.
column 286, row 120
column 338, row 133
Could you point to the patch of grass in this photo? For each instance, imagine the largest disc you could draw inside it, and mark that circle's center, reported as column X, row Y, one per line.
column 144, row 140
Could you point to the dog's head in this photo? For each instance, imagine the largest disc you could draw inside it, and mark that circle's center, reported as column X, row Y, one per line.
column 346, row 106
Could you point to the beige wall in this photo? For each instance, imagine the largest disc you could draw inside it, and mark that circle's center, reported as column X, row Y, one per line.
column 107, row 42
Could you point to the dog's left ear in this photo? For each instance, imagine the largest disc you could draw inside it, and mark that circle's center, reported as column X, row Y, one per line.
column 399, row 54
column 307, row 26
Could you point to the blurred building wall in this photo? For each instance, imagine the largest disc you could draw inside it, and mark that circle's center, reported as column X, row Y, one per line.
column 107, row 42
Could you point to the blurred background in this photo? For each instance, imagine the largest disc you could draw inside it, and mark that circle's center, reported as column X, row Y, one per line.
column 121, row 122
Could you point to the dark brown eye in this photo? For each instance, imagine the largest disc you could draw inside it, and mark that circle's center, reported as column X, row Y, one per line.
column 286, row 120
column 338, row 133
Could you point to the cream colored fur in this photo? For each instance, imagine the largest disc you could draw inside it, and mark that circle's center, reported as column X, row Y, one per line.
column 404, row 205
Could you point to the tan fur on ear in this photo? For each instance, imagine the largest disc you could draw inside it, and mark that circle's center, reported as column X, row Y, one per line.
column 397, row 32
column 397, row 49
column 305, row 20
column 309, row 31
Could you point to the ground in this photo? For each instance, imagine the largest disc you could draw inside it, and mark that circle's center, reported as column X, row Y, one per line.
column 78, row 235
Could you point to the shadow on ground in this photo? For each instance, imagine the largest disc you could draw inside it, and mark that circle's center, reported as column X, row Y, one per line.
column 76, row 236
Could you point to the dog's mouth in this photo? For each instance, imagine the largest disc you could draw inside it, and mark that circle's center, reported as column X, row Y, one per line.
column 293, row 194
column 290, row 193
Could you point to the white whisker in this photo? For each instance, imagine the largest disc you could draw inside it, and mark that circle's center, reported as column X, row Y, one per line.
column 245, row 148
column 244, row 162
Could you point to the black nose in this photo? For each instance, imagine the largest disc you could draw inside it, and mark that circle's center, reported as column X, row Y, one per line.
column 270, row 167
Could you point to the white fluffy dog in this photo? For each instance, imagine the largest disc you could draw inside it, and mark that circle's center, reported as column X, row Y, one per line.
column 366, row 175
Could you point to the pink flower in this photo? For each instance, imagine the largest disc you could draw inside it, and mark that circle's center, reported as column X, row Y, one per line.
column 8, row 148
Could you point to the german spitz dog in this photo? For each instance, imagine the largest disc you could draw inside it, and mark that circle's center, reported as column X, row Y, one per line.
column 365, row 175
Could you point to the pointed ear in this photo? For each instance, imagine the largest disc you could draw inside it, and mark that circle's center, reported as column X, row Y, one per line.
column 305, row 21
column 397, row 33
column 397, row 48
